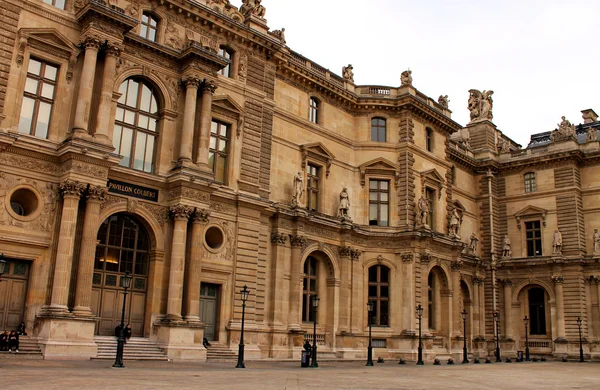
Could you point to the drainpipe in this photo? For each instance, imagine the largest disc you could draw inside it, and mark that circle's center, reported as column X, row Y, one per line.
column 490, row 176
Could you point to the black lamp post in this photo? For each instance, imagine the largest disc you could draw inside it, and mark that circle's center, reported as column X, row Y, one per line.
column 420, row 349
column 526, row 320
column 315, row 305
column 370, row 307
column 125, row 283
column 580, row 341
column 244, row 292
column 497, row 334
column 465, row 350
column 3, row 265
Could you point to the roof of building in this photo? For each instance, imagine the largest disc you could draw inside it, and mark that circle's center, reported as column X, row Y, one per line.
column 541, row 139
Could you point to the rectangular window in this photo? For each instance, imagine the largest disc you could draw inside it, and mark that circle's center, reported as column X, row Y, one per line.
column 430, row 195
column 313, row 112
column 57, row 3
column 429, row 139
column 378, row 130
column 312, row 186
column 226, row 71
column 38, row 98
column 379, row 202
column 530, row 185
column 533, row 233
column 309, row 289
column 219, row 150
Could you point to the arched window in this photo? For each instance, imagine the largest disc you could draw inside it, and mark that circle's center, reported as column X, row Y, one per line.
column 309, row 288
column 537, row 311
column 313, row 112
column 227, row 53
column 530, row 185
column 148, row 27
column 379, row 292
column 136, row 125
column 378, row 130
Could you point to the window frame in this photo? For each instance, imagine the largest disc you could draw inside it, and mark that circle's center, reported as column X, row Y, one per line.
column 535, row 240
column 151, row 17
column 227, row 52
column 430, row 195
column 313, row 173
column 53, row 3
column 429, row 139
column 377, row 317
column 219, row 154
column 377, row 125
column 311, row 264
column 530, row 182
column 378, row 201
column 538, row 324
column 314, row 106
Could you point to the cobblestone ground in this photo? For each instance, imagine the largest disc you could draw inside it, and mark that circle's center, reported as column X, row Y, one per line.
column 24, row 374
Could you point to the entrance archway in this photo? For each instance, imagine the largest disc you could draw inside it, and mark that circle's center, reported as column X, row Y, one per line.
column 123, row 245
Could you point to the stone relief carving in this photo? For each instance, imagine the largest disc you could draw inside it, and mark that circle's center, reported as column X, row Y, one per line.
column 133, row 9
column 344, row 208
column 348, row 73
column 189, row 193
column 558, row 279
column 596, row 241
column 455, row 223
column 480, row 105
column 84, row 168
column 297, row 241
column 181, row 212
column 223, row 208
column 28, row 163
column 298, row 187
column 443, row 101
column 132, row 205
column 557, row 243
column 505, row 147
column 506, row 251
column 321, row 232
column 406, row 78
column 172, row 36
column 407, row 257
column 201, row 215
column 71, row 188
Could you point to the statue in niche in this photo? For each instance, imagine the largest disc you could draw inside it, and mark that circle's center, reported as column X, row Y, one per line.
column 423, row 205
column 344, row 209
column 298, row 189
column 480, row 105
column 406, row 78
column 596, row 242
column 557, row 242
column 455, row 222
column 506, row 251
column 348, row 73
column 443, row 101
column 591, row 135
column 473, row 243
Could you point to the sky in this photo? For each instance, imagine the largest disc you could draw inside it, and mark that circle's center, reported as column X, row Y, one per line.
column 538, row 56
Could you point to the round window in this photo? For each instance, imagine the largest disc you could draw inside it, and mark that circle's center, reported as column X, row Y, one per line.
column 214, row 237
column 24, row 202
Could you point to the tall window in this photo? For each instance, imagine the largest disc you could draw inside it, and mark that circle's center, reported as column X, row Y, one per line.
column 379, row 292
column 226, row 52
column 533, row 233
column 219, row 149
column 148, row 27
column 379, row 202
column 309, row 288
column 57, row 3
column 135, row 125
column 378, row 130
column 312, row 186
column 38, row 98
column 530, row 182
column 429, row 139
column 537, row 311
column 313, row 111
column 430, row 195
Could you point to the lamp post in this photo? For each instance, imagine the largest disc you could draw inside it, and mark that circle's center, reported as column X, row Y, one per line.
column 3, row 265
column 370, row 307
column 315, row 305
column 497, row 334
column 465, row 350
column 420, row 349
column 526, row 320
column 244, row 292
column 125, row 283
column 580, row 341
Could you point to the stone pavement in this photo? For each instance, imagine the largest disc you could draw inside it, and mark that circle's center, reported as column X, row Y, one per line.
column 29, row 374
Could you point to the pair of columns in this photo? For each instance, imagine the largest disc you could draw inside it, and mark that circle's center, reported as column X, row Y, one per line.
column 192, row 84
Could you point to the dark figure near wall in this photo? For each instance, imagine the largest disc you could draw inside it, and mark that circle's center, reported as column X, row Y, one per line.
column 118, row 330
column 127, row 332
column 21, row 331
column 13, row 341
column 307, row 346
column 4, row 341
column 205, row 342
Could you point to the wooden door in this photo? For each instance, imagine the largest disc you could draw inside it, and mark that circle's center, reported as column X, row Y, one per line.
column 13, row 293
column 209, row 301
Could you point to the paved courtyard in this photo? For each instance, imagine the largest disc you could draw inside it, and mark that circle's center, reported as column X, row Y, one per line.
column 28, row 374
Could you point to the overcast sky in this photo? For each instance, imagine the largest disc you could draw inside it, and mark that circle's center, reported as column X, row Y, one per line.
column 540, row 57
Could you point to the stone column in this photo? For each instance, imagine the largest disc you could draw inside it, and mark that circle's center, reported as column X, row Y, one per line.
column 103, row 119
column 194, row 268
column 482, row 318
column 597, row 280
column 560, row 306
column 507, row 308
column 86, row 86
column 189, row 119
column 357, row 319
column 208, row 89
column 87, row 253
column 456, row 295
column 297, row 242
column 476, row 283
column 181, row 215
column 346, row 287
column 279, row 302
column 71, row 192
column 407, row 294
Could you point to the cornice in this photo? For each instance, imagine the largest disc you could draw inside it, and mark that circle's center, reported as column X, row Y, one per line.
column 63, row 17
column 537, row 195
column 576, row 156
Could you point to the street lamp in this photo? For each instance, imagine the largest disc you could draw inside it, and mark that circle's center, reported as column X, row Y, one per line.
column 3, row 265
column 465, row 351
column 420, row 349
column 497, row 334
column 315, row 305
column 370, row 307
column 244, row 292
column 526, row 320
column 125, row 283
column 580, row 341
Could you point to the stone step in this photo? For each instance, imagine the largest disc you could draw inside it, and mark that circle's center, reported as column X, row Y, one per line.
column 136, row 348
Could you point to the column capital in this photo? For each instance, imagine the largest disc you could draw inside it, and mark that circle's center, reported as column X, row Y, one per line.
column 505, row 282
column 345, row 251
column 595, row 279
column 456, row 266
column 297, row 241
column 209, row 86
column 96, row 194
column 191, row 82
column 278, row 238
column 181, row 212
column 70, row 188
column 477, row 279
column 114, row 49
column 91, row 41
column 408, row 257
column 558, row 279
column 201, row 216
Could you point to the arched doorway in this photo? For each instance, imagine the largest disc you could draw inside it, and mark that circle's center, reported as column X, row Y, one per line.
column 534, row 301
column 466, row 305
column 123, row 245
column 436, row 315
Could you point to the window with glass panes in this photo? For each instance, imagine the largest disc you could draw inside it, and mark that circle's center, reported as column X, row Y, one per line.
column 378, row 130
column 219, row 149
column 313, row 113
column 533, row 236
column 38, row 98
column 429, row 139
column 148, row 27
column 57, row 3
column 430, row 195
column 309, row 288
column 379, row 202
column 225, row 52
column 379, row 293
column 136, row 121
column 530, row 182
column 312, row 186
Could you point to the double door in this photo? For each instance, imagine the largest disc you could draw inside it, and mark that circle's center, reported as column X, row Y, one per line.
column 209, row 309
column 13, row 293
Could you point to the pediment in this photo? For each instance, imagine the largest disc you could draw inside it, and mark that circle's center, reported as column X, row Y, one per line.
column 458, row 205
column 531, row 211
column 50, row 37
column 317, row 152
column 228, row 104
column 318, row 148
column 432, row 178
column 433, row 175
column 379, row 163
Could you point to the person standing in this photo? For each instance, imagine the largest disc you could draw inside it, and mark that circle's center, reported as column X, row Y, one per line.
column 13, row 341
column 4, row 341
column 127, row 333
column 21, row 331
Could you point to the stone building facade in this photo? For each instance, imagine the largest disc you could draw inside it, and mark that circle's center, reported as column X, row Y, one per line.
column 184, row 142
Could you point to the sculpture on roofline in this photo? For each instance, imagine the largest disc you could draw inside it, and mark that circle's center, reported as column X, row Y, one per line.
column 252, row 7
column 280, row 34
column 480, row 105
column 344, row 209
column 443, row 101
column 347, row 73
column 592, row 135
column 406, row 78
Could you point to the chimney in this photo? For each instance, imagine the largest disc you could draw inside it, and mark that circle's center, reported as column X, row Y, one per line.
column 589, row 116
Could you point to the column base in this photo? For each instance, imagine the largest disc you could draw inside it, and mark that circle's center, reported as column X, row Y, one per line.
column 204, row 168
column 181, row 340
column 191, row 318
column 80, row 311
column 102, row 139
column 66, row 338
column 56, row 311
column 172, row 318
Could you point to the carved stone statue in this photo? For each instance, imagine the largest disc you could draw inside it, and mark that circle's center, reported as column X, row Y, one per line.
column 506, row 251
column 347, row 73
column 455, row 222
column 557, row 242
column 596, row 242
column 443, row 101
column 473, row 243
column 280, row 34
column 344, row 209
column 423, row 205
column 480, row 105
column 591, row 135
column 298, row 189
column 252, row 7
column 406, row 78
column 505, row 147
